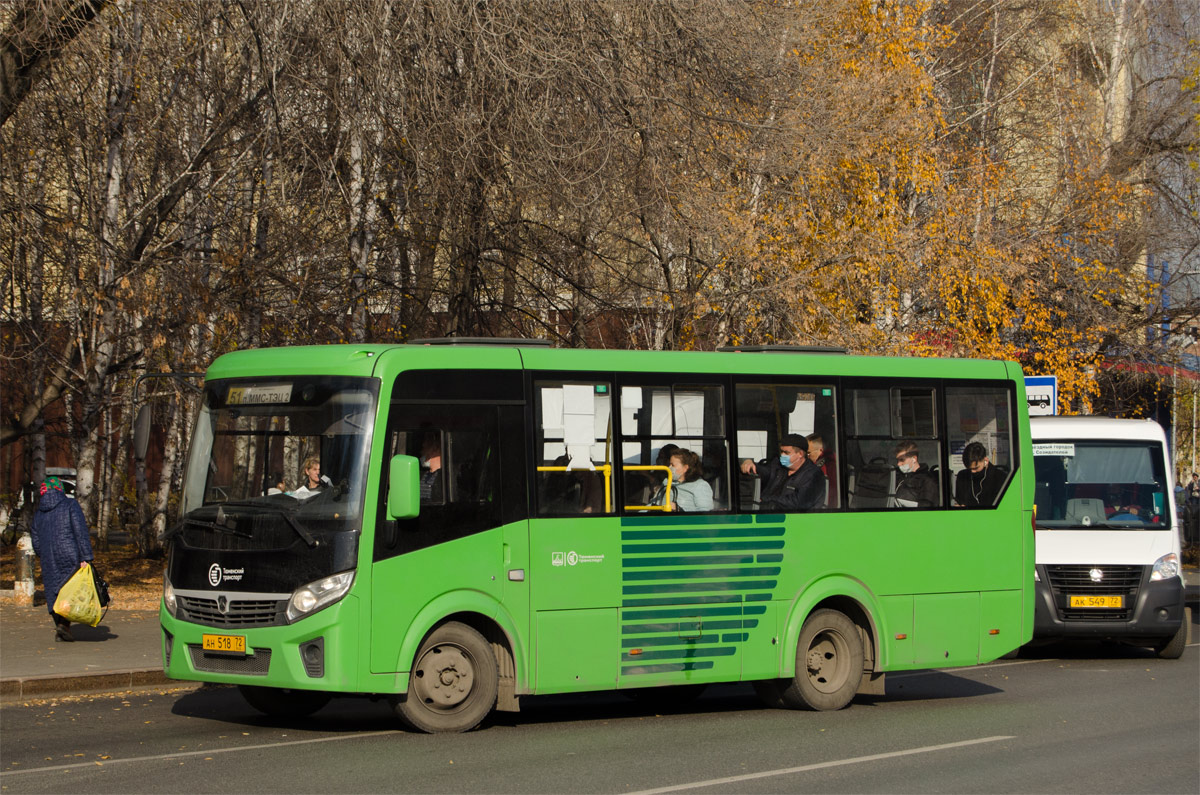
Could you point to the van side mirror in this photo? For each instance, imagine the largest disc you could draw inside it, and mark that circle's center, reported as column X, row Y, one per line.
column 404, row 487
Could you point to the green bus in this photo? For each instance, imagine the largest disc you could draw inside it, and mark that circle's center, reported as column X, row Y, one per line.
column 453, row 524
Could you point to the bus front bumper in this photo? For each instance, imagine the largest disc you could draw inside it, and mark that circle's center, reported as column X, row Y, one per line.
column 315, row 653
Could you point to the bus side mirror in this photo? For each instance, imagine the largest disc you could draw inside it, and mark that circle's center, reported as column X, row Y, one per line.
column 141, row 432
column 404, row 487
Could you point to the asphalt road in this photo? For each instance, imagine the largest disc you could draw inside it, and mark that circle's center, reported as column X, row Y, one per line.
column 1090, row 718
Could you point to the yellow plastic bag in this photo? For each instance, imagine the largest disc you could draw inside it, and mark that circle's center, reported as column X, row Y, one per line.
column 77, row 601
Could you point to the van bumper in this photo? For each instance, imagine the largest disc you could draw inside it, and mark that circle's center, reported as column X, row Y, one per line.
column 1157, row 612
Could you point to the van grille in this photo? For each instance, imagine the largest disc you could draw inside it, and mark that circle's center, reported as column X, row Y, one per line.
column 1076, row 580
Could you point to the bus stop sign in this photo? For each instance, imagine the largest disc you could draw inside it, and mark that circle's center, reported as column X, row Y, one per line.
column 1042, row 393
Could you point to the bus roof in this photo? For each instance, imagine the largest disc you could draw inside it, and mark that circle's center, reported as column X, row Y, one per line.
column 364, row 360
column 1089, row 427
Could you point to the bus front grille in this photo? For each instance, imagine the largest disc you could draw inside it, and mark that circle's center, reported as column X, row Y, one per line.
column 238, row 612
column 257, row 664
column 1099, row 580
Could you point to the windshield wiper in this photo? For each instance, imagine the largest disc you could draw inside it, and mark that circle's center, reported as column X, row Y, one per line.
column 300, row 531
column 286, row 513
column 218, row 526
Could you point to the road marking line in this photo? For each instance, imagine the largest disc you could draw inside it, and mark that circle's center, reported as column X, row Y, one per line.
column 101, row 763
column 716, row 782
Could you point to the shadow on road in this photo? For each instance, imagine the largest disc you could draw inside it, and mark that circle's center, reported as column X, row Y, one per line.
column 224, row 704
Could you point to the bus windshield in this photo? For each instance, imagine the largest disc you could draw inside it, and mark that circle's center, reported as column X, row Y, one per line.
column 1083, row 484
column 294, row 448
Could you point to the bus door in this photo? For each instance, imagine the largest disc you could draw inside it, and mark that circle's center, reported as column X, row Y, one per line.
column 454, row 548
column 686, row 566
column 574, row 558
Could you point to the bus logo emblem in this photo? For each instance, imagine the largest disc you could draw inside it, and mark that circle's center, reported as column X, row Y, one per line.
column 556, row 559
column 214, row 575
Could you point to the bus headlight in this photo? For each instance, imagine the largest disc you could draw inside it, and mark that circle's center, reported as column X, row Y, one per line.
column 169, row 595
column 1165, row 567
column 316, row 595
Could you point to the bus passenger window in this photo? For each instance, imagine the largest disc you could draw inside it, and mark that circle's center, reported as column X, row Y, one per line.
column 573, row 465
column 674, row 455
column 893, row 449
column 980, row 431
column 798, row 419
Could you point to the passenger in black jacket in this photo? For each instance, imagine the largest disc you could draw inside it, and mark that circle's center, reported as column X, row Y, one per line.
column 791, row 482
column 917, row 487
column 979, row 482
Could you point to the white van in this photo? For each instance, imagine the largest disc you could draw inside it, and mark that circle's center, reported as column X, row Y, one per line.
column 1108, row 545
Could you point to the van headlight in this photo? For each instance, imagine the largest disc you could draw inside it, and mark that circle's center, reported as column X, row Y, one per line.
column 169, row 596
column 1165, row 567
column 316, row 595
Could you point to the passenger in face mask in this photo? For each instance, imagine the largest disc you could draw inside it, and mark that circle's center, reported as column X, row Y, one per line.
column 790, row 482
column 917, row 487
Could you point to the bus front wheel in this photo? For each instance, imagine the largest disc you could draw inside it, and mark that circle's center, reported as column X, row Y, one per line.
column 453, row 683
column 829, row 665
column 281, row 702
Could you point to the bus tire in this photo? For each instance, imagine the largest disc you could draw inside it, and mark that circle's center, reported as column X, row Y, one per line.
column 829, row 663
column 453, row 684
column 282, row 702
column 1172, row 648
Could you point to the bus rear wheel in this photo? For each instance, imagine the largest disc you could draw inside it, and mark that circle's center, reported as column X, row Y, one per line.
column 282, row 702
column 829, row 665
column 453, row 683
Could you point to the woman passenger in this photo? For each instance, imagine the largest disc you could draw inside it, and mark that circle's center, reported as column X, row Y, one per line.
column 689, row 492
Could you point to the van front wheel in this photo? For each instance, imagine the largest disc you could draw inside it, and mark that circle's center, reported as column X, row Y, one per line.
column 1172, row 648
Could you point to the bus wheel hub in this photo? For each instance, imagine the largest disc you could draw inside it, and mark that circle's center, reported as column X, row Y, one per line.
column 445, row 676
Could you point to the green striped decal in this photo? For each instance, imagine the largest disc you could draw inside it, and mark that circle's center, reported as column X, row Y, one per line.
column 689, row 584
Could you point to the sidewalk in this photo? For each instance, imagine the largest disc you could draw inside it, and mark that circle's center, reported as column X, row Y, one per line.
column 124, row 652
column 120, row 654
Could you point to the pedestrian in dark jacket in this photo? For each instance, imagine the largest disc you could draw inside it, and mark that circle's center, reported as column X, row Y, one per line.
column 60, row 540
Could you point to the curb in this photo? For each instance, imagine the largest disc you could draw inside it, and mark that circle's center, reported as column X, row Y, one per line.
column 22, row 688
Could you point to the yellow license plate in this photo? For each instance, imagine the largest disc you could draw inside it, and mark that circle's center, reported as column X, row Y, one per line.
column 1098, row 601
column 230, row 644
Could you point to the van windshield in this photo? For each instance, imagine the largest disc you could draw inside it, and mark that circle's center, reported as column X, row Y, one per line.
column 1090, row 484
